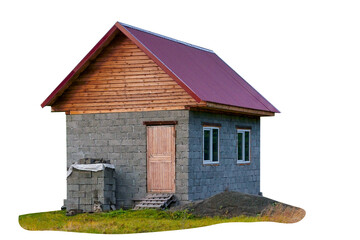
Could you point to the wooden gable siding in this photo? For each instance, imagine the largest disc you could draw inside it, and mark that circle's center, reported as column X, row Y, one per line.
column 122, row 79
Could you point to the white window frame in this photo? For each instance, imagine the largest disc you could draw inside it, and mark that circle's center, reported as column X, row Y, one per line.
column 210, row 161
column 243, row 146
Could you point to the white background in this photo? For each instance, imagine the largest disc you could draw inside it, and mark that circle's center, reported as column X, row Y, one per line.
column 303, row 56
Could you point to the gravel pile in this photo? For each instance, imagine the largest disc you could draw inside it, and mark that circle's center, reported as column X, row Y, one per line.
column 231, row 204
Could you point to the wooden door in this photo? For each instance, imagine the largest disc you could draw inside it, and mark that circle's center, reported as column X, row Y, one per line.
column 161, row 159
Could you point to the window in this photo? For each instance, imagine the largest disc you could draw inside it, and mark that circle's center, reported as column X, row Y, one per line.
column 243, row 146
column 211, row 144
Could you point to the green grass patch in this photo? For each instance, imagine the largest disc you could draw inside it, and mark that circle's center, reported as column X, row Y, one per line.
column 122, row 221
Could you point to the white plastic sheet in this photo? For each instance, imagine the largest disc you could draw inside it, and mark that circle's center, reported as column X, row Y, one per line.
column 89, row 167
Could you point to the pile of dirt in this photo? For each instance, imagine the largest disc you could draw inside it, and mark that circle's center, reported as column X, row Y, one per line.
column 232, row 204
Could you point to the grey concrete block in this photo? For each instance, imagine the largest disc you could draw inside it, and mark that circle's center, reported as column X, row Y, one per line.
column 85, row 187
column 76, row 194
column 73, row 187
column 84, row 181
column 101, row 142
column 86, row 207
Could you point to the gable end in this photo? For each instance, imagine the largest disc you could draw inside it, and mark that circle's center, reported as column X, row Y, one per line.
column 122, row 78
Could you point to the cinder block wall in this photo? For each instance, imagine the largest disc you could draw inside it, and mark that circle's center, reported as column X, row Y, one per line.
column 86, row 187
column 121, row 138
column 208, row 180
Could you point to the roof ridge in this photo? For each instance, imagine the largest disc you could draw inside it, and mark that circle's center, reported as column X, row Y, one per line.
column 167, row 38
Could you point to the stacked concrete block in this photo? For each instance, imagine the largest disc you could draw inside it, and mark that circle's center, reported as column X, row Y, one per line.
column 121, row 138
column 86, row 189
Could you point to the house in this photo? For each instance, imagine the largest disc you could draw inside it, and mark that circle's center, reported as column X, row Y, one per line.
column 170, row 116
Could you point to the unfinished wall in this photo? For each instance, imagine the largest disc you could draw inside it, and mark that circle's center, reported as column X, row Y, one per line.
column 84, row 188
column 121, row 138
column 207, row 180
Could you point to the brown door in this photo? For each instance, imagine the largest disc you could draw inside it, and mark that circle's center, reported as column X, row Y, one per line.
column 161, row 159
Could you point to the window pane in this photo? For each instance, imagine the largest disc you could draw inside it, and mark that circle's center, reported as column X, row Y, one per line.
column 206, row 144
column 240, row 146
column 247, row 146
column 215, row 145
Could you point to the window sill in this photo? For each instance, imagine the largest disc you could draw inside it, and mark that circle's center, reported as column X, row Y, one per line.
column 243, row 163
column 211, row 164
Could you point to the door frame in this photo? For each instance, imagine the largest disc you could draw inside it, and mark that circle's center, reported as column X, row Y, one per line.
column 173, row 155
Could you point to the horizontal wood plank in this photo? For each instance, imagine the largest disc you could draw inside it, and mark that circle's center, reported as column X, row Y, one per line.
column 120, row 90
column 119, row 110
column 207, row 124
column 125, row 103
column 243, row 127
column 126, row 79
column 122, row 78
column 132, row 69
column 157, row 123
column 108, row 94
column 132, row 97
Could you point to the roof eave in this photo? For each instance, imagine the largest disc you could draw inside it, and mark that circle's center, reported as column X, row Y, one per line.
column 218, row 107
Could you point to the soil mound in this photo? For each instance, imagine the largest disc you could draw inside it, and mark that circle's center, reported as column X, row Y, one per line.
column 232, row 204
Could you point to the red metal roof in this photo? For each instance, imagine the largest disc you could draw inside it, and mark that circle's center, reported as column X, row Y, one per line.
column 198, row 70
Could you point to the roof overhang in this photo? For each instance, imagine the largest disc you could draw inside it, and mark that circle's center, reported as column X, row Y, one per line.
column 216, row 107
